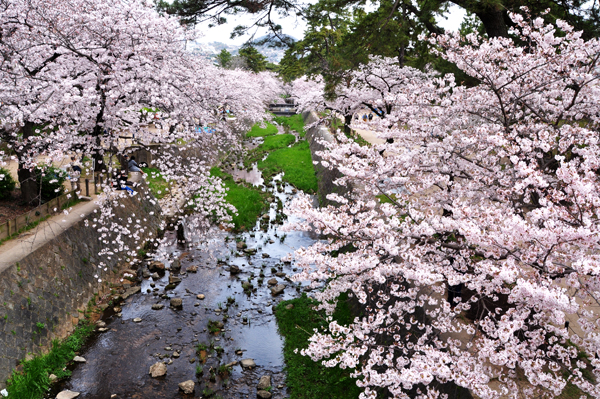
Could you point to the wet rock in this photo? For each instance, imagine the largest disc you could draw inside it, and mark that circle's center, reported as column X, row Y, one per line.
column 174, row 280
column 272, row 281
column 177, row 303
column 157, row 306
column 239, row 353
column 79, row 359
column 264, row 255
column 103, row 329
column 137, row 320
column 265, row 216
column 200, row 296
column 247, row 363
column 176, row 265
column 264, row 394
column 156, row 267
column 264, row 382
column 278, row 289
column 52, row 378
column 250, row 251
column 281, row 274
column 230, row 365
column 187, row 387
column 192, row 269
column 158, row 369
column 240, row 245
column 117, row 309
column 131, row 291
column 155, row 276
column 192, row 360
column 289, row 307
column 233, row 269
column 176, row 354
column 168, row 348
column 67, row 395
column 146, row 273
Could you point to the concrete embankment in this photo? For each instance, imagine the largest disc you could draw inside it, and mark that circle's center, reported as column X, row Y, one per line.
column 326, row 176
column 48, row 278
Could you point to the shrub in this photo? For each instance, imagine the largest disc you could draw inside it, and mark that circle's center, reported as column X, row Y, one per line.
column 51, row 180
column 7, row 183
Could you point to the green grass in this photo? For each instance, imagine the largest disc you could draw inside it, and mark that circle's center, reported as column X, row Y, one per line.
column 249, row 202
column 33, row 382
column 271, row 143
column 156, row 182
column 307, row 379
column 296, row 163
column 258, row 131
column 294, row 122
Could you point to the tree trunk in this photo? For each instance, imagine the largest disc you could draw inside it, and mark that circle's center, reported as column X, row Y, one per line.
column 27, row 179
column 347, row 122
column 492, row 17
column 493, row 21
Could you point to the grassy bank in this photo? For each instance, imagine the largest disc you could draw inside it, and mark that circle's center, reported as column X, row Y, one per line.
column 33, row 381
column 294, row 122
column 296, row 163
column 307, row 379
column 249, row 202
column 258, row 131
column 156, row 182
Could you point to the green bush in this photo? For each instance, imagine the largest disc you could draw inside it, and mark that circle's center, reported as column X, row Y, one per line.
column 7, row 183
column 51, row 180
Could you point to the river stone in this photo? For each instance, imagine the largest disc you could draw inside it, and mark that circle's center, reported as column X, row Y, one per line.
column 289, row 306
column 176, row 265
column 265, row 216
column 240, row 245
column 187, row 386
column 263, row 394
column 79, row 359
column 155, row 276
column 272, row 281
column 52, row 378
column 247, row 363
column 103, row 329
column 200, row 296
column 177, row 303
column 176, row 354
column 264, row 255
column 146, row 273
column 158, row 369
column 280, row 274
column 157, row 306
column 192, row 269
column 174, row 280
column 67, row 395
column 100, row 323
column 264, row 382
column 137, row 320
column 278, row 289
column 156, row 267
column 233, row 269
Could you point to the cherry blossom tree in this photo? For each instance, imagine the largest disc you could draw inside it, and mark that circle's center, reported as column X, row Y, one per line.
column 95, row 77
column 470, row 239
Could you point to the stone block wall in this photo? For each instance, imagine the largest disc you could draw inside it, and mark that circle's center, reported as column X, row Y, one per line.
column 44, row 294
column 325, row 176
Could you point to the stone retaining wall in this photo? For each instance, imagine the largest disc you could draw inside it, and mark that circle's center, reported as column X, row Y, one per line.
column 43, row 295
column 325, row 176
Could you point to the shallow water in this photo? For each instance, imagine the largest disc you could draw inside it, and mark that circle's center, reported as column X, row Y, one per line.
column 118, row 360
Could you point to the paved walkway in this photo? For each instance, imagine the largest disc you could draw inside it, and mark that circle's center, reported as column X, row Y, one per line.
column 19, row 247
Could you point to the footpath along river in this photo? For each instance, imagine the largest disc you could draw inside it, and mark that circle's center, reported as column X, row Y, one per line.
column 147, row 329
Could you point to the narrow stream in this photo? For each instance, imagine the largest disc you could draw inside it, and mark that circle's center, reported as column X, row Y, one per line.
column 118, row 360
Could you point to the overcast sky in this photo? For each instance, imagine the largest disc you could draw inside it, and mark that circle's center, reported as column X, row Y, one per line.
column 293, row 27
